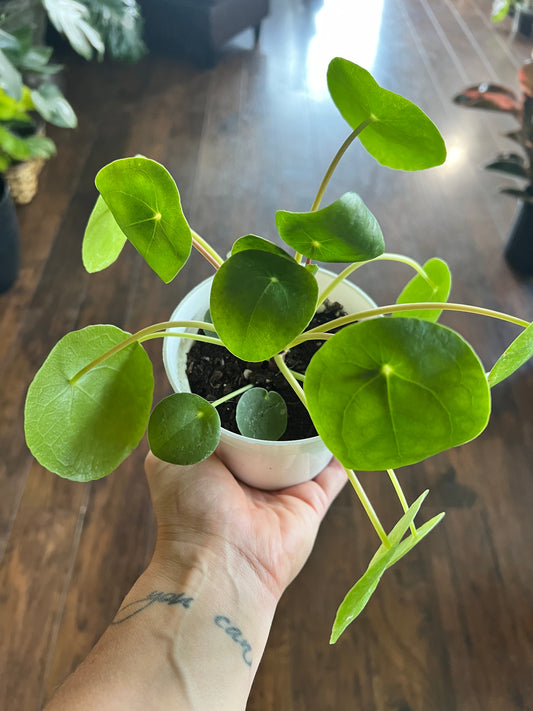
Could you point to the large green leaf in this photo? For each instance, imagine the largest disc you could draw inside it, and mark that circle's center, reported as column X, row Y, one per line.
column 385, row 393
column 83, row 429
column 53, row 107
column 419, row 290
column 518, row 353
column 183, row 429
column 145, row 202
column 399, row 134
column 359, row 595
column 261, row 414
column 345, row 231
column 73, row 19
column 103, row 239
column 260, row 301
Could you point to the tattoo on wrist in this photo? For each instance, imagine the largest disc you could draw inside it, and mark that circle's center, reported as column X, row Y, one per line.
column 237, row 636
column 133, row 608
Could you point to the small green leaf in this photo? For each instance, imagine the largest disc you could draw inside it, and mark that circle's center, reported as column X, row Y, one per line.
column 260, row 301
column 518, row 353
column 183, row 429
column 499, row 10
column 53, row 107
column 357, row 598
column 419, row 290
column 345, row 231
column 103, row 240
column 410, row 542
column 145, row 202
column 10, row 77
column 261, row 414
column 83, row 429
column 399, row 134
column 384, row 393
column 255, row 242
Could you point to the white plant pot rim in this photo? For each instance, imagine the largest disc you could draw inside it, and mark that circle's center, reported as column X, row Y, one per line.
column 193, row 307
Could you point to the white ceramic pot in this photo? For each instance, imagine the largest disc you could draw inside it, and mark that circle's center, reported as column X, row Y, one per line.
column 259, row 463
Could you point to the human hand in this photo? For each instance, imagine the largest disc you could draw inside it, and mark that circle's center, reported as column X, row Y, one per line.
column 270, row 533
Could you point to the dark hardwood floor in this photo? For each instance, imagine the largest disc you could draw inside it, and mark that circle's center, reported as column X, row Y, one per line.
column 451, row 626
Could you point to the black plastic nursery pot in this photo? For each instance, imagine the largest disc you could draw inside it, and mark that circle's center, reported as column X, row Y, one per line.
column 525, row 22
column 9, row 239
column 519, row 248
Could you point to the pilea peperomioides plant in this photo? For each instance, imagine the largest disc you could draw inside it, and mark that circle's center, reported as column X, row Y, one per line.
column 390, row 388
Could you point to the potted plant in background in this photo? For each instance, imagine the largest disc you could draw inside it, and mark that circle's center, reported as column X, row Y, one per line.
column 390, row 386
column 89, row 26
column 493, row 97
column 521, row 10
column 23, row 111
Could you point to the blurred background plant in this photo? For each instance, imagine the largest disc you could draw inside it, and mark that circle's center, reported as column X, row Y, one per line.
column 494, row 97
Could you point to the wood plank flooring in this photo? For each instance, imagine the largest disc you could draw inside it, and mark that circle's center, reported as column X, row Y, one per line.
column 451, row 626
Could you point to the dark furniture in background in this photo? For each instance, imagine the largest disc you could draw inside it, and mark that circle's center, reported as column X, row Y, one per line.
column 198, row 29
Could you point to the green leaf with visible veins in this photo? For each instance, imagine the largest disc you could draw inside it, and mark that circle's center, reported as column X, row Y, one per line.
column 183, row 429
column 260, row 301
column 419, row 290
column 83, row 428
column 399, row 134
column 103, row 240
column 255, row 242
column 384, row 393
column 261, row 414
column 345, row 231
column 145, row 202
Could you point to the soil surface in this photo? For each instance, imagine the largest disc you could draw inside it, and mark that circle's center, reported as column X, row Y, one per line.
column 214, row 372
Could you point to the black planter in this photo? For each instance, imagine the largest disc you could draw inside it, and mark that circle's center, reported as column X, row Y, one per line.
column 525, row 22
column 519, row 249
column 9, row 239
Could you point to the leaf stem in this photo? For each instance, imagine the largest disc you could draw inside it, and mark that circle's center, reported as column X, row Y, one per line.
column 334, row 163
column 136, row 337
column 290, row 379
column 229, row 396
column 394, row 308
column 369, row 509
column 399, row 492
column 205, row 249
column 386, row 256
column 191, row 336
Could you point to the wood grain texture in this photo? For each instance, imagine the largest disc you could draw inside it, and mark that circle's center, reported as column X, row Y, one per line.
column 451, row 626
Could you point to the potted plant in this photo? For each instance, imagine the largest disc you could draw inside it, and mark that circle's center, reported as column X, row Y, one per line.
column 521, row 10
column 493, row 97
column 390, row 386
column 24, row 111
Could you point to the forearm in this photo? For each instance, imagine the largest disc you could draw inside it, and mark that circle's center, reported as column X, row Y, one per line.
column 189, row 636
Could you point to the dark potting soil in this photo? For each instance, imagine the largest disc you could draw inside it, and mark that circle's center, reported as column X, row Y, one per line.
column 214, row 372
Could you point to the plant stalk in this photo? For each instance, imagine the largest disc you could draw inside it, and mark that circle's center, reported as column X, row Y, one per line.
column 229, row 396
column 334, row 163
column 136, row 337
column 394, row 308
column 291, row 379
column 369, row 509
column 205, row 249
column 399, row 492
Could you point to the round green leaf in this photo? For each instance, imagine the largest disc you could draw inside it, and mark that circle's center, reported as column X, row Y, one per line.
column 261, row 414
column 103, row 240
column 83, row 430
column 145, row 202
column 183, row 429
column 420, row 290
column 345, row 231
column 399, row 134
column 260, row 301
column 518, row 353
column 255, row 242
column 385, row 393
